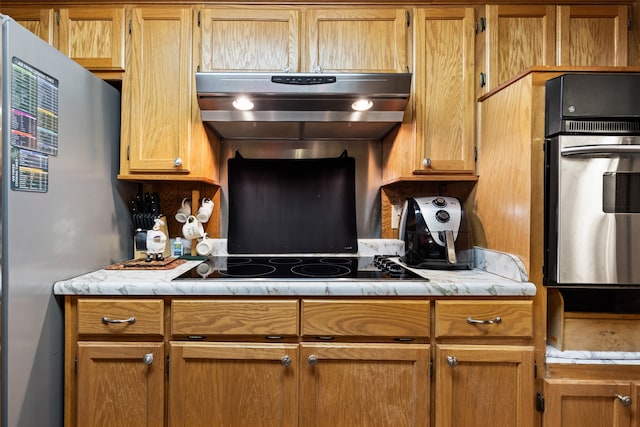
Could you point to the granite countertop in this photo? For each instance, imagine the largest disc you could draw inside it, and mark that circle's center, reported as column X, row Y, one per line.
column 495, row 274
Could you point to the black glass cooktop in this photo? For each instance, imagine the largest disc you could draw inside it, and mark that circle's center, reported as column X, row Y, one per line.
column 293, row 267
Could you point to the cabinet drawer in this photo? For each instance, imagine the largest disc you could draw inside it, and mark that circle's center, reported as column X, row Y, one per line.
column 484, row 318
column 120, row 316
column 384, row 318
column 234, row 317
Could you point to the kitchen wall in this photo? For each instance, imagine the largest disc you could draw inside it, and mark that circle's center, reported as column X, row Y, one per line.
column 368, row 157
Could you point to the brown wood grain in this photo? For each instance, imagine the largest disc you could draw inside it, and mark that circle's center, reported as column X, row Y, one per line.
column 234, row 317
column 516, row 318
column 148, row 313
column 365, row 318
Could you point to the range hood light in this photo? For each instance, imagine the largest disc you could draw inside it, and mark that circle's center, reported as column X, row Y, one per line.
column 243, row 103
column 362, row 105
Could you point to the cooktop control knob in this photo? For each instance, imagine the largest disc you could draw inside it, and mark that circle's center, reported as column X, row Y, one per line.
column 395, row 269
column 385, row 264
column 443, row 216
column 439, row 202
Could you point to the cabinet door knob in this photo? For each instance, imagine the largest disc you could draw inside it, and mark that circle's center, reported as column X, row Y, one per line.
column 286, row 360
column 177, row 162
column 452, row 361
column 147, row 359
column 312, row 360
column 626, row 400
column 426, row 162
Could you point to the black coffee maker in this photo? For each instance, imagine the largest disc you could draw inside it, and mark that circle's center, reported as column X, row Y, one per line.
column 436, row 233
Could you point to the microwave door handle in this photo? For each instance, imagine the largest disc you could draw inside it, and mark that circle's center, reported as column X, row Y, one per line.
column 601, row 150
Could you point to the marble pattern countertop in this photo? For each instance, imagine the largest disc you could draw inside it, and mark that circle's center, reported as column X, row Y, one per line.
column 575, row 357
column 495, row 274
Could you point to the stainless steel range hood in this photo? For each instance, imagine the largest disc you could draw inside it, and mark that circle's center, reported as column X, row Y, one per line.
column 297, row 106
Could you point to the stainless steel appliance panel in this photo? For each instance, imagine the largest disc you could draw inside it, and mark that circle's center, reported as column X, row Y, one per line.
column 79, row 224
column 593, row 218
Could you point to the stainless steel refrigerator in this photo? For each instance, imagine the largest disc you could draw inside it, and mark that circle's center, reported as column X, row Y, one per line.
column 63, row 211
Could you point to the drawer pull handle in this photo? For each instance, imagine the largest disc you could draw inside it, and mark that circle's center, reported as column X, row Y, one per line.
column 626, row 400
column 312, row 360
column 147, row 359
column 472, row 321
column 107, row 321
column 286, row 360
column 452, row 361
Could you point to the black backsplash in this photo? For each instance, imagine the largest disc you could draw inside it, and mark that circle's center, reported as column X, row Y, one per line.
column 292, row 205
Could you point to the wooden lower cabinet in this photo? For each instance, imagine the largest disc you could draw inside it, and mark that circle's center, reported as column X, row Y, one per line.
column 593, row 403
column 484, row 386
column 311, row 385
column 233, row 384
column 289, row 362
column 120, row 384
column 372, row 385
column 482, row 380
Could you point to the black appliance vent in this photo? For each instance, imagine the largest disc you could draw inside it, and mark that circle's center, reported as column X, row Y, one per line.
column 602, row 126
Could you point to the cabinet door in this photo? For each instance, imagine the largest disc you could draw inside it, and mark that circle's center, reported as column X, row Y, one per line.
column 39, row 21
column 444, row 92
column 484, row 386
column 373, row 385
column 94, row 38
column 120, row 384
column 233, row 385
column 518, row 37
column 592, row 35
column 158, row 92
column 364, row 40
column 250, row 39
column 592, row 403
column 635, row 399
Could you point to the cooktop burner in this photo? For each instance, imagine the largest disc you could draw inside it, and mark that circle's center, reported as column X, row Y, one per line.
column 292, row 267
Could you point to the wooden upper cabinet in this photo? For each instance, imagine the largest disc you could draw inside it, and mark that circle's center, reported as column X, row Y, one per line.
column 444, row 90
column 158, row 92
column 94, row 38
column 592, row 35
column 163, row 137
column 362, row 40
column 249, row 39
column 518, row 37
column 39, row 21
column 333, row 40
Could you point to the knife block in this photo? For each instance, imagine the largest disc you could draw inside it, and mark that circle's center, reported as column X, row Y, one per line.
column 137, row 254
